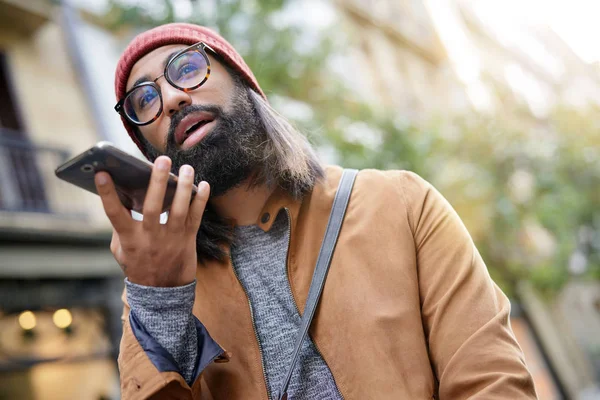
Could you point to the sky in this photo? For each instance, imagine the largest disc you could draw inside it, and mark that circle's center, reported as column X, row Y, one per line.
column 575, row 21
column 512, row 22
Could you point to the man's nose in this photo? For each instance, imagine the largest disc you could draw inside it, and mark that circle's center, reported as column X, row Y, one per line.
column 173, row 98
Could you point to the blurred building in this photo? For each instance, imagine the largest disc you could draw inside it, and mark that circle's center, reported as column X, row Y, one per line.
column 59, row 284
column 425, row 58
column 529, row 59
column 400, row 58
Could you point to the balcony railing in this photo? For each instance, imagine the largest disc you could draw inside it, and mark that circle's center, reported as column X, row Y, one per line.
column 28, row 183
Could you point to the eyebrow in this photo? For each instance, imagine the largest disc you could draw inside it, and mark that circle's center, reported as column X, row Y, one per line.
column 146, row 78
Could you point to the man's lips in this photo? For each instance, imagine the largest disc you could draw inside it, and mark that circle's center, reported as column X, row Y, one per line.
column 193, row 125
column 197, row 134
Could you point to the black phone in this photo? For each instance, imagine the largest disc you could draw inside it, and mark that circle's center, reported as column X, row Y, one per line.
column 130, row 174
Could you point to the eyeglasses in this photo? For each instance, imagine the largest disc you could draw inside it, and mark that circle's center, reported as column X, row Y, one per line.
column 187, row 70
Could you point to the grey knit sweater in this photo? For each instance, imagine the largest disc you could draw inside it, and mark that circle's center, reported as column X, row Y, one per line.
column 259, row 261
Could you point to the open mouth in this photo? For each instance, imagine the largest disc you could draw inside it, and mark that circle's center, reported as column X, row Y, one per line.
column 193, row 128
column 195, row 133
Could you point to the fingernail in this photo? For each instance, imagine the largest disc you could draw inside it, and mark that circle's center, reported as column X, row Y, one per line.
column 186, row 170
column 202, row 187
column 162, row 164
column 101, row 179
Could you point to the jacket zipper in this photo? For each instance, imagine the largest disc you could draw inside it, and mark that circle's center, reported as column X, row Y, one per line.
column 260, row 349
column 289, row 287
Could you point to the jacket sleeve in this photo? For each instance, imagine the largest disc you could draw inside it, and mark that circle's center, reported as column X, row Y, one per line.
column 147, row 371
column 472, row 347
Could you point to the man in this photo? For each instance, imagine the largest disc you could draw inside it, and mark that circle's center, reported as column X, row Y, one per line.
column 214, row 296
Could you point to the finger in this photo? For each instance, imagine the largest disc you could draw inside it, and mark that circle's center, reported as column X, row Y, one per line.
column 155, row 195
column 115, row 242
column 116, row 249
column 118, row 215
column 197, row 207
column 181, row 201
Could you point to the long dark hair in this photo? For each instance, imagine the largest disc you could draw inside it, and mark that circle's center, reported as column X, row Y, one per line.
column 290, row 162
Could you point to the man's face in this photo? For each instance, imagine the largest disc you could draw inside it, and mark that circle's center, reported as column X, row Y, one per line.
column 225, row 151
column 218, row 91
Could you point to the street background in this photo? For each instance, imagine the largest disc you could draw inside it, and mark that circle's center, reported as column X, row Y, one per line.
column 495, row 102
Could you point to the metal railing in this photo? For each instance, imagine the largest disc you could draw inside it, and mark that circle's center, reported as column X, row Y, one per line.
column 22, row 167
column 27, row 180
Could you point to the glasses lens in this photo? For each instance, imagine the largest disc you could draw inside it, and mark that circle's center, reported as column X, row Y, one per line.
column 143, row 104
column 188, row 69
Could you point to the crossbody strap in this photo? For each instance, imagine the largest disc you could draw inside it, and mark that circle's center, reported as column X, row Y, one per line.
column 332, row 232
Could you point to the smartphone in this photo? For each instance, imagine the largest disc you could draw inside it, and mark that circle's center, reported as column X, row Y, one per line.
column 130, row 174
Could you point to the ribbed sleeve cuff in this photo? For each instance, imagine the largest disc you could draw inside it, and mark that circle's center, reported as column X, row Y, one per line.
column 161, row 299
column 166, row 315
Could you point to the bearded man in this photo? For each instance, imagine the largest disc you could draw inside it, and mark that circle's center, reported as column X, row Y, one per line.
column 214, row 296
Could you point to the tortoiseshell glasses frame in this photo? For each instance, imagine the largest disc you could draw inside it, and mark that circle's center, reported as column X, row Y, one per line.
column 200, row 48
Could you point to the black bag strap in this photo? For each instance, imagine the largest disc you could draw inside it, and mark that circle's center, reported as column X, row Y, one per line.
column 332, row 232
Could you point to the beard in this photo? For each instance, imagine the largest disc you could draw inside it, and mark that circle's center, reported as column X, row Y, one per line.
column 229, row 154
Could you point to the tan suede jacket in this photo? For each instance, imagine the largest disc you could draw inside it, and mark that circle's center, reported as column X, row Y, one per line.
column 408, row 311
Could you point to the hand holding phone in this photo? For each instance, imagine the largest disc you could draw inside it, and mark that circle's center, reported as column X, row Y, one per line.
column 151, row 253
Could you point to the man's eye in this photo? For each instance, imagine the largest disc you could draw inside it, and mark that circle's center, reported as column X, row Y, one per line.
column 186, row 70
column 146, row 99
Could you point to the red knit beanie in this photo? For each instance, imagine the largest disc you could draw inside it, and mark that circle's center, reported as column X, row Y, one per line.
column 177, row 33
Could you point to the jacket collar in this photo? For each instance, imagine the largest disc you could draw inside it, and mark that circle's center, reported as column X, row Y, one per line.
column 278, row 200
column 319, row 200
